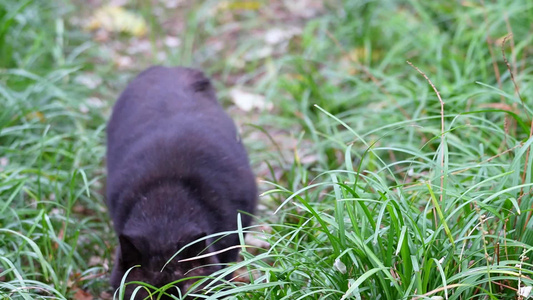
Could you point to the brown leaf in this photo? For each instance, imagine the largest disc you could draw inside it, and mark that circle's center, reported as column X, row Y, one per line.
column 502, row 106
column 82, row 295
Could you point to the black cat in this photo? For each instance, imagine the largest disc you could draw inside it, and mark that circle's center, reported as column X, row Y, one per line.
column 177, row 171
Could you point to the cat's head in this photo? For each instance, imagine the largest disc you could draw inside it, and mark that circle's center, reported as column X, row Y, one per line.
column 156, row 268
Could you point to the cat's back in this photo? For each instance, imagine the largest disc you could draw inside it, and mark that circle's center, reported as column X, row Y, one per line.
column 160, row 97
column 176, row 107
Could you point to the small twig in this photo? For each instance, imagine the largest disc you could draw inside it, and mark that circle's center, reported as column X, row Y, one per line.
column 502, row 285
column 438, row 96
column 438, row 290
column 510, row 32
column 91, row 276
column 441, row 124
column 517, row 90
column 510, row 122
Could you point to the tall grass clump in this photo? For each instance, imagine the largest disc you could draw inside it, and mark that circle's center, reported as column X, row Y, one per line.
column 420, row 178
column 51, row 227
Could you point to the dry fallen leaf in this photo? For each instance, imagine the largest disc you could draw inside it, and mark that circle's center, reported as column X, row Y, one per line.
column 258, row 53
column 89, row 80
column 82, row 295
column 95, row 102
column 172, row 42
column 304, row 8
column 96, row 261
column 248, row 101
column 340, row 266
column 117, row 19
column 36, row 115
column 123, row 62
column 106, row 296
column 277, row 35
column 4, row 161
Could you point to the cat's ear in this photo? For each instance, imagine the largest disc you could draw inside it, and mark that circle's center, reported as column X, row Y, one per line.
column 198, row 81
column 130, row 250
column 201, row 85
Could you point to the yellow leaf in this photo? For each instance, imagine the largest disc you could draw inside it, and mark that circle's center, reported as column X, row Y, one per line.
column 117, row 19
column 361, row 54
column 36, row 115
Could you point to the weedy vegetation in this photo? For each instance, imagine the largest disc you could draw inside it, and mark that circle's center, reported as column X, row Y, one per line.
column 382, row 178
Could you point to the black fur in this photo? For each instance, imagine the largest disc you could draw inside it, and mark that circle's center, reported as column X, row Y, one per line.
column 177, row 171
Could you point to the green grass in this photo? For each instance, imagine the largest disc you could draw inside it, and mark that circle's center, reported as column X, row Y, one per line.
column 52, row 214
column 365, row 197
